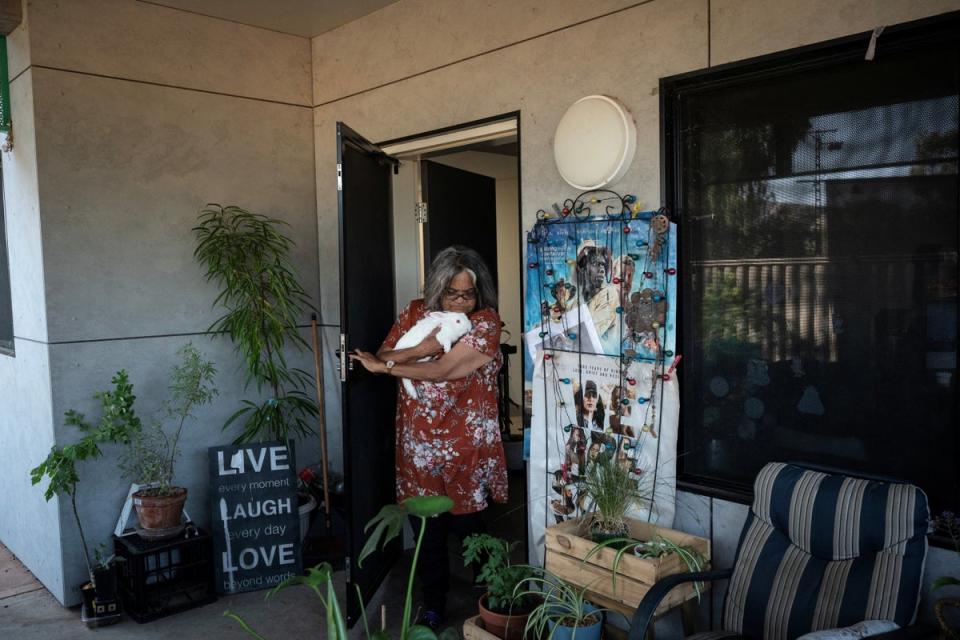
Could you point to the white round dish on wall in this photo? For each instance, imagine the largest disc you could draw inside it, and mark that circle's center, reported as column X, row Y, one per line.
column 595, row 142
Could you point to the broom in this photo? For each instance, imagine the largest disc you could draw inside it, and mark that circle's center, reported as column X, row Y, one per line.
column 322, row 417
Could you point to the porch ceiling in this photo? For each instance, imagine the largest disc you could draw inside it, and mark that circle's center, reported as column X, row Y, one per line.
column 305, row 18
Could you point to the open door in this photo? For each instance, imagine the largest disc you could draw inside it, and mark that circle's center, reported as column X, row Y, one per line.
column 366, row 315
column 462, row 209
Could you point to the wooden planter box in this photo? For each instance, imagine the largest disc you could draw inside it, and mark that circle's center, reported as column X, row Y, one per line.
column 568, row 543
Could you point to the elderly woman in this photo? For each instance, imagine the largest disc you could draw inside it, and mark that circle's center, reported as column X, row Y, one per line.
column 448, row 438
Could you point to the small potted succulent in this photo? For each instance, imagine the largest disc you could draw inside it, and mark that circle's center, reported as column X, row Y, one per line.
column 150, row 458
column 101, row 596
column 503, row 614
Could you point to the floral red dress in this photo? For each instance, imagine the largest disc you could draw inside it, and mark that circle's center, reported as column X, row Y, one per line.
column 448, row 438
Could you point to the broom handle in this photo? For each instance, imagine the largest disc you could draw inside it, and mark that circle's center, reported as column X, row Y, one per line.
column 318, row 367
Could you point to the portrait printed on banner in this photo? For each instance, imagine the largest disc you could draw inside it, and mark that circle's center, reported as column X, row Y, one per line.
column 571, row 332
column 594, row 267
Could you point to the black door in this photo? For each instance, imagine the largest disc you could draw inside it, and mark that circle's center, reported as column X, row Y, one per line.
column 461, row 209
column 366, row 315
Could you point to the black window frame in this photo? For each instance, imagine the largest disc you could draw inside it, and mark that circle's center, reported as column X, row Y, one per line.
column 895, row 38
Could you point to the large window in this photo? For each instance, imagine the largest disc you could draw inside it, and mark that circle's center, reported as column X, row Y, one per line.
column 817, row 197
column 6, row 313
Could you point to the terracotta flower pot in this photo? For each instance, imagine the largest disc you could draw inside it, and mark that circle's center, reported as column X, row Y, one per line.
column 508, row 627
column 159, row 516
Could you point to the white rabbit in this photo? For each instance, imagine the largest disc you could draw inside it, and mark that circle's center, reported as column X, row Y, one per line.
column 453, row 326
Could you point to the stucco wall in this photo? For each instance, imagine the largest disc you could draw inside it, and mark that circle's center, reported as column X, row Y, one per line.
column 142, row 115
column 29, row 526
column 418, row 65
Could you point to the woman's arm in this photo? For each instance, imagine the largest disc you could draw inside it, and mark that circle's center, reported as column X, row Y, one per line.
column 427, row 347
column 458, row 363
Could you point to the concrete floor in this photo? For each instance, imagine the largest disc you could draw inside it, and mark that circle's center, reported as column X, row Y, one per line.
column 296, row 613
column 29, row 612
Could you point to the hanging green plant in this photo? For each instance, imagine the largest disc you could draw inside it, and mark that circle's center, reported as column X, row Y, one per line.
column 248, row 256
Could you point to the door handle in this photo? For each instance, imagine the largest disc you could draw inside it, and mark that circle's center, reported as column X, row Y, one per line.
column 340, row 360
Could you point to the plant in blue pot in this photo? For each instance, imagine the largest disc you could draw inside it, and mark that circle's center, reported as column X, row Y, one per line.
column 564, row 613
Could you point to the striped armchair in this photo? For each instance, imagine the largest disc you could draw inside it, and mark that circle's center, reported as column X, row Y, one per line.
column 819, row 550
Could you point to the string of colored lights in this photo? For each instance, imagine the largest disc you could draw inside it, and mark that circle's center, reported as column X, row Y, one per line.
column 651, row 252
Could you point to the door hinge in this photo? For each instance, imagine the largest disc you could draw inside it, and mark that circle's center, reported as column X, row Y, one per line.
column 343, row 357
column 339, row 177
column 420, row 213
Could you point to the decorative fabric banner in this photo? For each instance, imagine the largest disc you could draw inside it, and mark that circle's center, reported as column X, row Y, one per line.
column 600, row 334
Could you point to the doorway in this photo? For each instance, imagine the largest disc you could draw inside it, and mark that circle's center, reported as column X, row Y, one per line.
column 399, row 203
column 461, row 185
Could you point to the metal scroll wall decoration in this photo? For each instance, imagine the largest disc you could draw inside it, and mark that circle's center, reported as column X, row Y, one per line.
column 599, row 331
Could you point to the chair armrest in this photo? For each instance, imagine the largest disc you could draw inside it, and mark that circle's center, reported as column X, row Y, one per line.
column 643, row 616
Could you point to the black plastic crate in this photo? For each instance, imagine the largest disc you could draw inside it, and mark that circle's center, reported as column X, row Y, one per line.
column 161, row 578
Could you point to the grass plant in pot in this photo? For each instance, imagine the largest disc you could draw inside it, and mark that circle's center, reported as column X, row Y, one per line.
column 118, row 424
column 248, row 256
column 611, row 491
column 502, row 614
column 150, row 458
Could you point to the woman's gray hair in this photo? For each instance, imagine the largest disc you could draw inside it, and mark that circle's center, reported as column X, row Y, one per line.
column 452, row 261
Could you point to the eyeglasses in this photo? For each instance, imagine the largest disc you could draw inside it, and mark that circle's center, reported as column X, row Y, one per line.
column 454, row 294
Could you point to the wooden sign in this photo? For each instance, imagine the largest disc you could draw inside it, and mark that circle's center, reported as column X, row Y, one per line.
column 256, row 521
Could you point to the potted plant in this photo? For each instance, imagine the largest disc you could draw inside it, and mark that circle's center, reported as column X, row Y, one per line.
column 605, row 541
column 105, row 573
column 101, row 596
column 150, row 458
column 119, row 423
column 502, row 614
column 564, row 612
column 248, row 257
column 386, row 526
column 610, row 491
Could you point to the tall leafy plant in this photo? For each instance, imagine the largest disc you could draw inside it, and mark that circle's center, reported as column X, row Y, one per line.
column 118, row 423
column 248, row 256
column 386, row 526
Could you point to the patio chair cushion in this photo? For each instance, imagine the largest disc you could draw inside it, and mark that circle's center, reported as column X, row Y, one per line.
column 821, row 551
column 863, row 629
